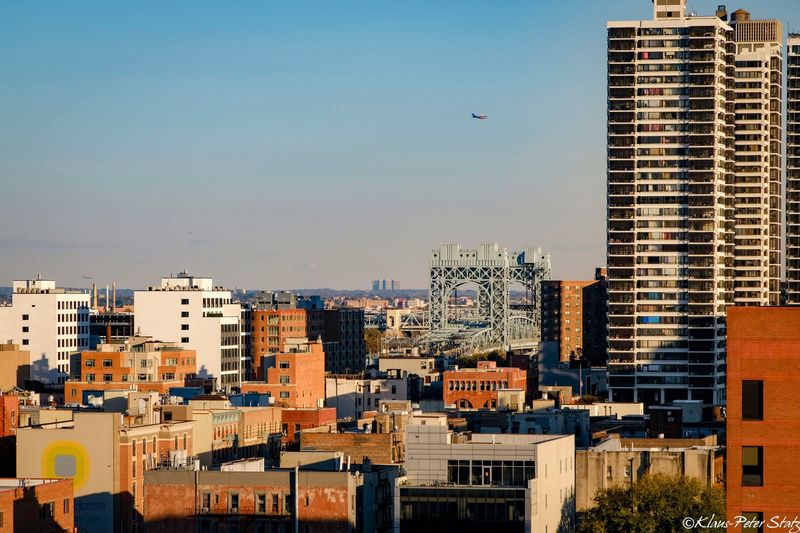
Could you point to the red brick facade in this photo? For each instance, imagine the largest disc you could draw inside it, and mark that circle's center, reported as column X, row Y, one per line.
column 476, row 388
column 270, row 329
column 294, row 420
column 40, row 506
column 764, row 345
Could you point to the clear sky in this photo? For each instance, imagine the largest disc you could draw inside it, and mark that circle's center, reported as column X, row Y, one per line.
column 303, row 144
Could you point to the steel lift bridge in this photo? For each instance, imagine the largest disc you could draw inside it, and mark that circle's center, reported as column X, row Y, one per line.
column 494, row 322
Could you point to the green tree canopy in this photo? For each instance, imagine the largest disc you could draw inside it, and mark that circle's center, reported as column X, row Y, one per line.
column 655, row 504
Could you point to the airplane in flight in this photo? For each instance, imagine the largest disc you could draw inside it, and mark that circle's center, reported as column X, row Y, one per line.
column 480, row 117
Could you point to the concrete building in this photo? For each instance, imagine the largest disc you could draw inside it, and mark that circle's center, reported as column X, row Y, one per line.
column 793, row 171
column 201, row 317
column 50, row 323
column 758, row 192
column 763, row 429
column 34, row 505
column 574, row 316
column 476, row 388
column 270, row 328
column 15, row 366
column 352, row 396
column 105, row 459
column 670, row 205
column 479, row 482
column 619, row 462
column 138, row 363
column 295, row 377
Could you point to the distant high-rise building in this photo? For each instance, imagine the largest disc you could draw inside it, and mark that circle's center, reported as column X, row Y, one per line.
column 193, row 312
column 793, row 172
column 376, row 285
column 574, row 316
column 671, row 161
column 50, row 323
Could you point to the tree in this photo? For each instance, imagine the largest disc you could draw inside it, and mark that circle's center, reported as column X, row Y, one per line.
column 655, row 504
column 373, row 338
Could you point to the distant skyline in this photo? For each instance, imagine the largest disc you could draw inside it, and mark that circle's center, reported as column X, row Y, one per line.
column 303, row 144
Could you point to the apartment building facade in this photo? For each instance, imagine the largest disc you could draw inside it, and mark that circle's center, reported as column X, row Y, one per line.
column 49, row 322
column 671, row 163
column 200, row 316
column 269, row 330
column 793, row 171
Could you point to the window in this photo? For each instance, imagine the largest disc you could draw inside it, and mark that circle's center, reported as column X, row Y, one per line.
column 284, row 379
column 275, row 502
column 752, row 400
column 233, row 502
column 752, row 466
column 25, row 342
column 184, row 301
column 89, row 377
column 107, row 363
column 394, row 389
column 184, row 339
column 89, row 362
column 754, row 522
column 184, row 327
column 66, row 508
column 108, row 377
column 184, row 314
column 205, row 502
column 47, row 510
column 25, row 317
column 261, row 503
column 284, row 364
column 284, row 394
column 25, row 329
column 133, row 448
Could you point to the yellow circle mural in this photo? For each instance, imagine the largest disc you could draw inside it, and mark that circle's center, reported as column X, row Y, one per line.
column 66, row 459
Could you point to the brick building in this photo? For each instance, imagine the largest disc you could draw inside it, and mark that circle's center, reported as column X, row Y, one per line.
column 9, row 414
column 97, row 451
column 35, row 505
column 295, row 376
column 270, row 328
column 187, row 502
column 476, row 388
column 380, row 438
column 574, row 316
column 763, row 413
column 342, row 332
column 296, row 420
column 139, row 363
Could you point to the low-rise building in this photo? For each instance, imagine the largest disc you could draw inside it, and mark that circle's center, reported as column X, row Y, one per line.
column 293, row 421
column 15, row 366
column 353, row 395
column 139, row 363
column 424, row 367
column 31, row 505
column 379, row 439
column 619, row 462
column 105, row 460
column 514, row 483
column 295, row 377
column 476, row 388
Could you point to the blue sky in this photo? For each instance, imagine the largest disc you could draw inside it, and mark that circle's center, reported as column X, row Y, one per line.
column 302, row 144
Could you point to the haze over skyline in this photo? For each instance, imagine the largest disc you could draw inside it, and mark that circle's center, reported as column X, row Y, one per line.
column 309, row 144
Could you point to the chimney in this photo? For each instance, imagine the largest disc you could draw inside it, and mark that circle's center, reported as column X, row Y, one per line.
column 94, row 296
column 113, row 296
column 108, row 331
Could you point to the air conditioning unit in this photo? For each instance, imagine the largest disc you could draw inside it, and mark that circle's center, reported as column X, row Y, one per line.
column 204, row 510
column 234, row 510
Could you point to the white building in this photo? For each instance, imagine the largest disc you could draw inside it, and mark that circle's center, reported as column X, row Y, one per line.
column 671, row 164
column 52, row 323
column 759, row 160
column 424, row 367
column 497, row 482
column 353, row 395
column 201, row 317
